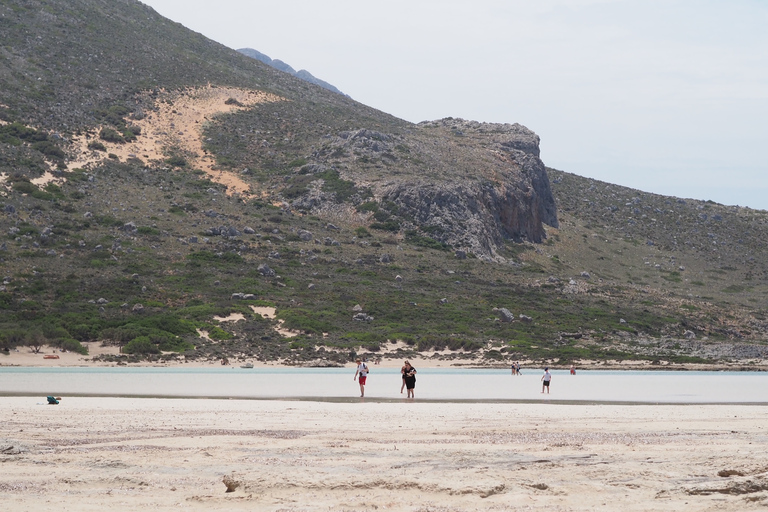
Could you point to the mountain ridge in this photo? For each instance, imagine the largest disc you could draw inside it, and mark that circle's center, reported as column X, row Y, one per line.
column 282, row 66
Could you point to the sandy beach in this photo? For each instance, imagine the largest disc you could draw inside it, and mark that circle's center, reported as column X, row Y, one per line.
column 174, row 454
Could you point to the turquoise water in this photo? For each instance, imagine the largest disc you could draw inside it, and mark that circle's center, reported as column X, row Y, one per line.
column 431, row 384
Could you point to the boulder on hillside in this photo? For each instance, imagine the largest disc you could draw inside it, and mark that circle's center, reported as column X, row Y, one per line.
column 265, row 270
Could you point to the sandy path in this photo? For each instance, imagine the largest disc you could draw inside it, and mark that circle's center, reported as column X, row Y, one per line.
column 129, row 454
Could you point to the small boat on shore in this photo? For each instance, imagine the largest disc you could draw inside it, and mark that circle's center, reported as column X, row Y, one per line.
column 50, row 356
column 246, row 365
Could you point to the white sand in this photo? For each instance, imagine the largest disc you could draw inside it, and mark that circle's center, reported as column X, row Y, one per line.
column 129, row 454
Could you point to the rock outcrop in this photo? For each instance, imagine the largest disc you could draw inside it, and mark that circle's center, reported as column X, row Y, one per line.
column 462, row 183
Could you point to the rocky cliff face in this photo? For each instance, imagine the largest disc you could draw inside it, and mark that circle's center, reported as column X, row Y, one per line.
column 467, row 184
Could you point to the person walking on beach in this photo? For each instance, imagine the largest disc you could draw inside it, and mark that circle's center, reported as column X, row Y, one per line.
column 573, row 370
column 545, row 380
column 402, row 375
column 362, row 370
column 409, row 376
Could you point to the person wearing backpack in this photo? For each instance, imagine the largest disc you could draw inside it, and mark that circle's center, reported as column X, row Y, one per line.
column 362, row 370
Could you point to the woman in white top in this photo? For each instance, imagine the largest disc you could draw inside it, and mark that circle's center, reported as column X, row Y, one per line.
column 545, row 380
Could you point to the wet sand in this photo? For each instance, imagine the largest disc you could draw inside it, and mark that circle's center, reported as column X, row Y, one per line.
column 129, row 454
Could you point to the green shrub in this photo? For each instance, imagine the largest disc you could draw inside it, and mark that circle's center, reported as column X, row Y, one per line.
column 311, row 322
column 25, row 187
column 390, row 225
column 73, row 346
column 16, row 132
column 412, row 237
column 48, row 148
column 97, row 146
column 110, row 135
column 370, row 206
column 176, row 161
column 298, row 162
column 343, row 189
column 107, row 221
column 54, row 190
column 141, row 345
column 176, row 346
column 217, row 333
column 12, row 338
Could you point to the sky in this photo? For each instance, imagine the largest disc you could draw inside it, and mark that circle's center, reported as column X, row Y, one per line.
column 665, row 96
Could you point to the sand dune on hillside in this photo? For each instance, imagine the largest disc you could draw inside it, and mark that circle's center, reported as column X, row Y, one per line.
column 176, row 127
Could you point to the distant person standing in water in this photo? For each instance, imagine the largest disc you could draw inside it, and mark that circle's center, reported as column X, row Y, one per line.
column 545, row 380
column 402, row 375
column 573, row 370
column 410, row 378
column 362, row 370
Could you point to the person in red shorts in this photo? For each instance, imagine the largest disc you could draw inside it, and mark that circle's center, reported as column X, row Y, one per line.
column 362, row 370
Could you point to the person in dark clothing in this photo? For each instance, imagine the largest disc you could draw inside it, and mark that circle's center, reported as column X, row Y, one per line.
column 409, row 376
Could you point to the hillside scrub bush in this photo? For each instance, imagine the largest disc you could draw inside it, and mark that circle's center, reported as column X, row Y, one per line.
column 203, row 311
column 141, row 345
column 217, row 333
column 14, row 133
column 55, row 191
column 6, row 300
column 110, row 135
column 49, row 149
column 176, row 161
column 25, row 187
column 210, row 257
column 412, row 237
column 370, row 206
column 390, row 225
column 333, row 183
column 310, row 322
column 176, row 346
column 114, row 115
column 71, row 345
column 168, row 323
column 11, row 339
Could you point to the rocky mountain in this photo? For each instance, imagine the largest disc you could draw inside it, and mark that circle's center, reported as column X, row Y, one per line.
column 282, row 66
column 169, row 195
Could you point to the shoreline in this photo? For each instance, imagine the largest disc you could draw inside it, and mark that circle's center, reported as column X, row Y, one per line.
column 26, row 358
column 386, row 400
column 67, row 360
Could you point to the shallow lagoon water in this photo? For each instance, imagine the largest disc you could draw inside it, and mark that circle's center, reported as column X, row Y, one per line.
column 384, row 383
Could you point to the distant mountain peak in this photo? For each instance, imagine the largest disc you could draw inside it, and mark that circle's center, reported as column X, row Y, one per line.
column 282, row 66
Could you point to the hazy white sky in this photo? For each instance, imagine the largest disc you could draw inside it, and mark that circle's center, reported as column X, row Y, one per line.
column 667, row 96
